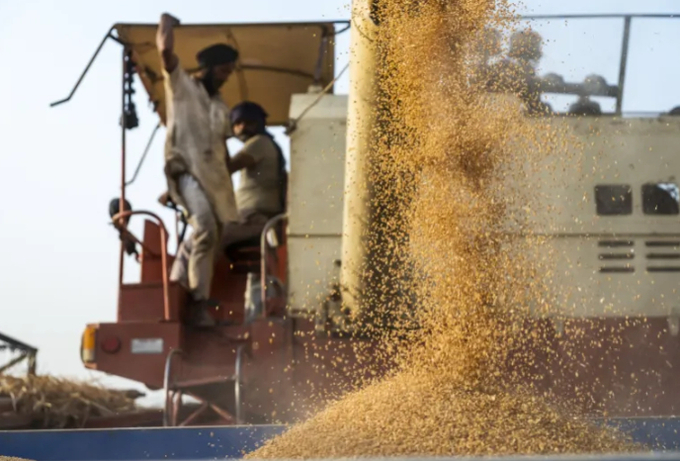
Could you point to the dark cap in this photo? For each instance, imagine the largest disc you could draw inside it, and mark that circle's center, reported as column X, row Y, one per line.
column 248, row 111
column 216, row 55
column 114, row 206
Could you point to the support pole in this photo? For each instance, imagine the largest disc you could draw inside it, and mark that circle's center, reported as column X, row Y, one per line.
column 360, row 122
column 624, row 64
column 121, row 256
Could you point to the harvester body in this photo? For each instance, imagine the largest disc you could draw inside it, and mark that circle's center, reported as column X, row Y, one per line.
column 280, row 349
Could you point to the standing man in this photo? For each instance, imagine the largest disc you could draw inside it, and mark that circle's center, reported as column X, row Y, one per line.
column 195, row 148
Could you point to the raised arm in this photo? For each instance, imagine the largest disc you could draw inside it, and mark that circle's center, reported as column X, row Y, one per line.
column 165, row 41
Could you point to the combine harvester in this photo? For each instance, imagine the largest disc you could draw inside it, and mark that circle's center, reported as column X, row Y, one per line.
column 275, row 336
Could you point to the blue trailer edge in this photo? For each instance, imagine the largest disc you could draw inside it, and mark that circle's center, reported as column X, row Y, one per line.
column 208, row 443
column 199, row 443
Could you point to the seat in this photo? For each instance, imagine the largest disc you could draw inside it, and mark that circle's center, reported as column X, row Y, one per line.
column 236, row 249
column 245, row 255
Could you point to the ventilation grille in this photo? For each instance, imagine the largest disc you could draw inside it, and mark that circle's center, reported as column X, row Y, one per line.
column 663, row 255
column 614, row 254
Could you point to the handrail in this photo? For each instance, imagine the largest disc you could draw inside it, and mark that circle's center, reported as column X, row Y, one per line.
column 87, row 68
column 134, row 238
column 263, row 258
column 627, row 21
column 164, row 256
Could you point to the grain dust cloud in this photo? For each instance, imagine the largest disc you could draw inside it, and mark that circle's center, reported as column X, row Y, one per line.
column 445, row 152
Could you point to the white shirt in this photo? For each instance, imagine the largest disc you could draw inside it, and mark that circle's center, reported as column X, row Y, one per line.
column 259, row 187
column 198, row 126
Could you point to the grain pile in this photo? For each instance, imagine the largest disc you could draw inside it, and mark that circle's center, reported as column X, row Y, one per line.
column 442, row 155
column 46, row 402
column 423, row 414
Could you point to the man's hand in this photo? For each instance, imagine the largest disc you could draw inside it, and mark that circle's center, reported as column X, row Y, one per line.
column 167, row 17
column 164, row 199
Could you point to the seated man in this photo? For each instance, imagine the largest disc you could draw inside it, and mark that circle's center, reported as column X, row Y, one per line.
column 261, row 194
column 262, row 190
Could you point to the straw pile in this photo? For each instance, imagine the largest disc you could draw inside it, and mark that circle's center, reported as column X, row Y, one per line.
column 46, row 402
column 441, row 156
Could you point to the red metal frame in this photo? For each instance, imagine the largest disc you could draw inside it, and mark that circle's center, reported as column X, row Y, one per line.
column 272, row 345
column 163, row 254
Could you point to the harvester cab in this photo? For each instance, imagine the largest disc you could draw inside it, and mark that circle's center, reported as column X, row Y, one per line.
column 149, row 341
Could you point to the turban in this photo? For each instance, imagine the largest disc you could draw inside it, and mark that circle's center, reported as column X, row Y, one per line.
column 216, row 55
column 248, row 112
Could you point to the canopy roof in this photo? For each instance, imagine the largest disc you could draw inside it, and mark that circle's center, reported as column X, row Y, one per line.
column 276, row 60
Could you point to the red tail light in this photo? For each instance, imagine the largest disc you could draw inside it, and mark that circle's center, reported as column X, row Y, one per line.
column 110, row 345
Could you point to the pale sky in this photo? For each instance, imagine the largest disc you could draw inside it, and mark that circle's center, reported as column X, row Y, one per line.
column 59, row 266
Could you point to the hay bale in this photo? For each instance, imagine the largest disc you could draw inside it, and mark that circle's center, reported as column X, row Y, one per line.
column 61, row 403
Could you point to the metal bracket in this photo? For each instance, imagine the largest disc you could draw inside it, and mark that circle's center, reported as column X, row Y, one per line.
column 28, row 353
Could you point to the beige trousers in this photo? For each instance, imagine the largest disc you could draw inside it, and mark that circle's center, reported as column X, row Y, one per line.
column 193, row 266
column 250, row 227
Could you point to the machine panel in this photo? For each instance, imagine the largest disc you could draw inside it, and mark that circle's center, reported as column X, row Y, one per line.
column 316, row 189
column 609, row 210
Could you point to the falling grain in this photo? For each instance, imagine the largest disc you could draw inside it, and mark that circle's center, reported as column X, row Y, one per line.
column 445, row 160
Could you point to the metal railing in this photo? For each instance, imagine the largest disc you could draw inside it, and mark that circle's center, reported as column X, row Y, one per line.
column 173, row 393
column 119, row 222
column 263, row 258
column 625, row 42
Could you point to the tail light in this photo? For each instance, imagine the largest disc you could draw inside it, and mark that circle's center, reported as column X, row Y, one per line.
column 88, row 343
column 110, row 345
